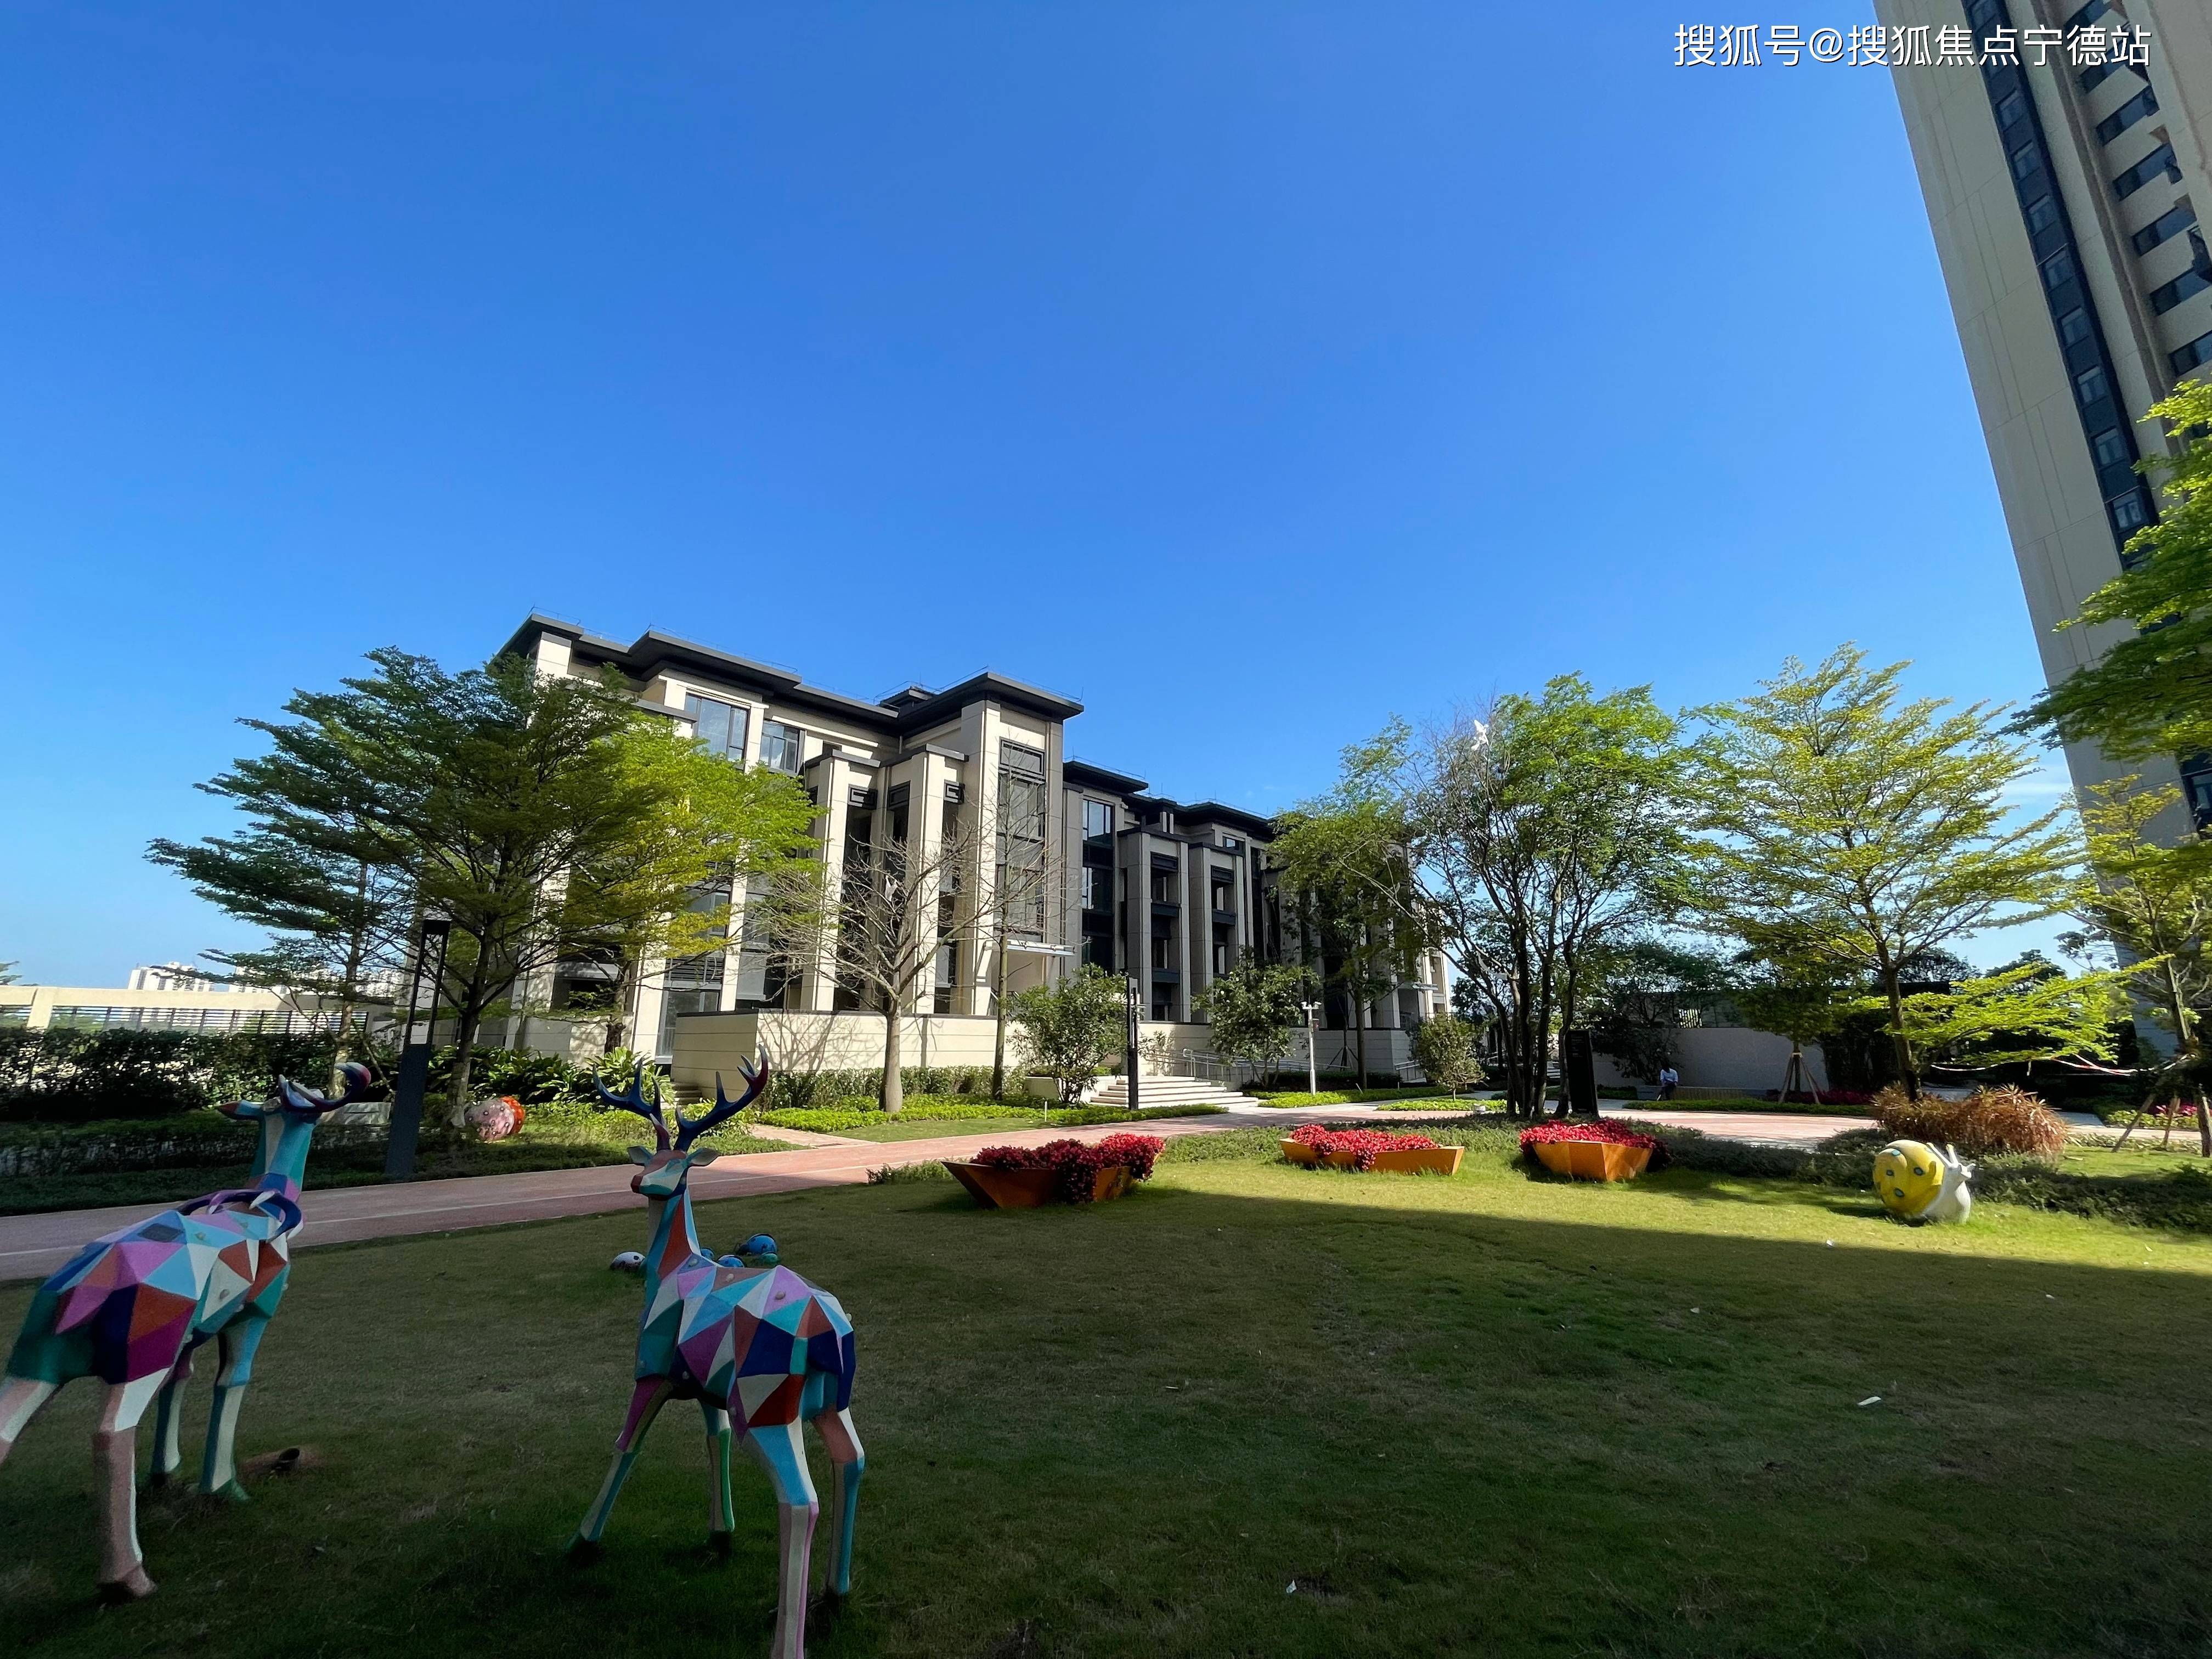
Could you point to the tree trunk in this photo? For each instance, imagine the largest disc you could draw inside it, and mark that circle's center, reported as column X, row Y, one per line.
column 1359, row 1036
column 1898, row 1041
column 893, row 1089
column 465, row 1036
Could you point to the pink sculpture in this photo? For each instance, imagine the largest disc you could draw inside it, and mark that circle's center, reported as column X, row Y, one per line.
column 757, row 1343
column 132, row 1308
column 496, row 1120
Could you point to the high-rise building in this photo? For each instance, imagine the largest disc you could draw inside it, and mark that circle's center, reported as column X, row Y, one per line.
column 2061, row 154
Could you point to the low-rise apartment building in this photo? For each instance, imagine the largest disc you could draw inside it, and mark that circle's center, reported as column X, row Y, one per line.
column 1172, row 894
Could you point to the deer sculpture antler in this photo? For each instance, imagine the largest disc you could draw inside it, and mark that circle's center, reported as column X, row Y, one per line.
column 359, row 1079
column 689, row 1129
column 634, row 1101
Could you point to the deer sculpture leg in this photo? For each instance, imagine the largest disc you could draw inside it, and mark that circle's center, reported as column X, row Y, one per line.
column 115, row 1464
column 644, row 1403
column 719, row 1507
column 168, row 1420
column 777, row 1448
column 20, row 1399
column 846, row 1463
column 219, row 1465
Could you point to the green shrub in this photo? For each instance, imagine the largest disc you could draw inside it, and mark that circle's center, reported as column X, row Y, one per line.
column 1345, row 1096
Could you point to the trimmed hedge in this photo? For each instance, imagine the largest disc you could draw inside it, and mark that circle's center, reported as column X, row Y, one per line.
column 1349, row 1097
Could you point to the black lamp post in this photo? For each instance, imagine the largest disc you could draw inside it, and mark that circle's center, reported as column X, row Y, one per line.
column 1132, row 1006
column 414, row 1076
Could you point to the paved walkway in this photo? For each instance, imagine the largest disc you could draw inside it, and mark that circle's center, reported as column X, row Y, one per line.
column 32, row 1246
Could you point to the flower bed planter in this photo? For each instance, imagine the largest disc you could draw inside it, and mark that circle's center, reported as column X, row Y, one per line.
column 1058, row 1172
column 1592, row 1151
column 1031, row 1190
column 1593, row 1160
column 1403, row 1160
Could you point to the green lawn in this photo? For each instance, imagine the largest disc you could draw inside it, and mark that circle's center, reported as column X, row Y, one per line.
column 1482, row 1414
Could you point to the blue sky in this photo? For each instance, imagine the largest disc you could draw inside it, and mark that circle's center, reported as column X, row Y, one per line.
column 1252, row 372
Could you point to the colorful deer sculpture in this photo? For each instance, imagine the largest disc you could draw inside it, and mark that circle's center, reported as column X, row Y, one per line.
column 131, row 1309
column 755, row 1344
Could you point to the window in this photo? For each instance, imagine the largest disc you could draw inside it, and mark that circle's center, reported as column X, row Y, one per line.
column 2159, row 161
column 2129, row 512
column 948, row 976
column 2198, row 350
column 1231, row 844
column 2042, row 214
column 2111, row 447
column 2189, row 284
column 2058, row 269
column 780, row 747
column 2143, row 103
column 1164, row 887
column 2026, row 160
column 1097, row 888
column 1225, row 895
column 2075, row 326
column 1220, row 953
column 2012, row 107
column 1164, row 951
column 1097, row 821
column 2170, row 223
column 720, row 726
column 1020, row 757
column 2088, row 14
column 2090, row 385
column 2093, row 76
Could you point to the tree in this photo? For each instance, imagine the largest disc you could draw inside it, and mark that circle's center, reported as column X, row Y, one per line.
column 1070, row 1031
column 1638, row 988
column 2152, row 694
column 1343, row 858
column 896, row 906
column 2151, row 906
column 1254, row 1009
column 1846, row 828
column 1540, row 836
column 1795, row 999
column 8, row 974
column 1445, row 1046
column 533, row 811
column 2029, row 1010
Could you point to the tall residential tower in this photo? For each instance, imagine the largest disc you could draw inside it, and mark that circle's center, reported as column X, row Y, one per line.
column 2062, row 161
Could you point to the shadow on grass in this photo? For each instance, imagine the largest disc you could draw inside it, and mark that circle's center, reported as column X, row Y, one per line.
column 1125, row 1429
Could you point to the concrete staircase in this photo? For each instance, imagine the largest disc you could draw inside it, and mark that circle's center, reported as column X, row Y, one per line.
column 1154, row 1092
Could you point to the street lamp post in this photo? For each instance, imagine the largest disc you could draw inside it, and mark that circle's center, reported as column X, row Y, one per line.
column 414, row 1074
column 1313, row 1069
column 1133, row 991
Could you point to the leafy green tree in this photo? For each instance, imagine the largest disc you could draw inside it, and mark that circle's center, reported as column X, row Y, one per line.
column 1793, row 999
column 1070, row 1031
column 2151, row 906
column 1538, row 837
column 2152, row 694
column 1343, row 859
column 1446, row 1046
column 1638, row 988
column 1255, row 1010
column 539, row 814
column 1846, row 826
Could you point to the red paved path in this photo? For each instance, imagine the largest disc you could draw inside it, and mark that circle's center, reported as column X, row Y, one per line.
column 32, row 1246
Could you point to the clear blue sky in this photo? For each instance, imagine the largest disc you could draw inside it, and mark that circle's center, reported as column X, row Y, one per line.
column 1252, row 372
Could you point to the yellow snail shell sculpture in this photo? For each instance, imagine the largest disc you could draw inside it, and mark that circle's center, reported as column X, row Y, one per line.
column 1916, row 1182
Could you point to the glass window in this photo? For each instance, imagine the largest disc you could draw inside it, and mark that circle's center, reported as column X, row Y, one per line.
column 2011, row 107
column 2088, row 14
column 2093, row 76
column 1020, row 757
column 2172, row 223
column 2143, row 103
column 2073, row 327
column 780, row 747
column 2186, row 286
column 2026, row 160
column 2111, row 447
column 2090, row 385
column 2058, row 269
column 1097, row 888
column 2198, row 350
column 720, row 726
column 1231, row 843
column 2129, row 512
column 1098, row 820
column 2042, row 214
column 2159, row 163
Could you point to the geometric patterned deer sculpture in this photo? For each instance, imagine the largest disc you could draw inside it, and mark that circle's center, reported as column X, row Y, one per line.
column 130, row 1307
column 755, row 1345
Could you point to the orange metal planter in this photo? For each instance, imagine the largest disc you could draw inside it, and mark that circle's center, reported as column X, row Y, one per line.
column 1411, row 1160
column 1031, row 1189
column 1593, row 1160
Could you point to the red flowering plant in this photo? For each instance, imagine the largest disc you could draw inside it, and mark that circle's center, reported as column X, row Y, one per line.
column 1078, row 1163
column 1598, row 1129
column 1362, row 1143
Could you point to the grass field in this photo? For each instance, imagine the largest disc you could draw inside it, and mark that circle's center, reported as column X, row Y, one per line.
column 1485, row 1414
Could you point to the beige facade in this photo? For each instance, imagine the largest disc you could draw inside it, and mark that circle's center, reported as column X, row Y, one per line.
column 2064, row 194
column 1171, row 894
column 99, row 1007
